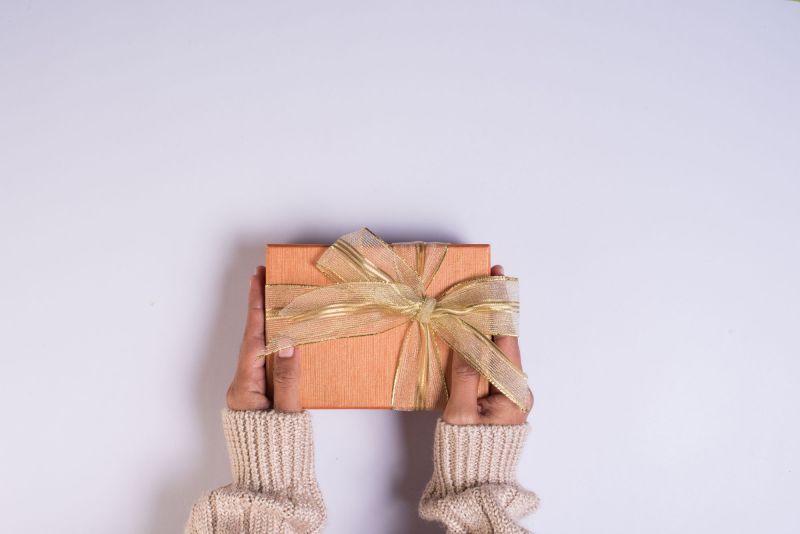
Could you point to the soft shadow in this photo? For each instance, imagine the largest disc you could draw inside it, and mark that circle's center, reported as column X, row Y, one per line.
column 415, row 431
column 391, row 234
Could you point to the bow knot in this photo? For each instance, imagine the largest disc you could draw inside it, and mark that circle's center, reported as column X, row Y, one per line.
column 425, row 310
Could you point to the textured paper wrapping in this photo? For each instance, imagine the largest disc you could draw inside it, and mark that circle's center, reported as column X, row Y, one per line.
column 358, row 372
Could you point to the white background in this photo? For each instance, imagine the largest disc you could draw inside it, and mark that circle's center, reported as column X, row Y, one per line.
column 635, row 163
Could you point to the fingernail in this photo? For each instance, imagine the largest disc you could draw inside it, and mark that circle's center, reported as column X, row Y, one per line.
column 286, row 352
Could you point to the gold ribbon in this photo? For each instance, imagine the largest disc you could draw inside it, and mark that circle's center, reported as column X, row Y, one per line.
column 375, row 290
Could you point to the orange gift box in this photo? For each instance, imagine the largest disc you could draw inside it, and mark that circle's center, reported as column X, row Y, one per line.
column 358, row 372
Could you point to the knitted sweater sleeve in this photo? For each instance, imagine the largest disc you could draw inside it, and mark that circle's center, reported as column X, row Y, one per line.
column 274, row 486
column 473, row 488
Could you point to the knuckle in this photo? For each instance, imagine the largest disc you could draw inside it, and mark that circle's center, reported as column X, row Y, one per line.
column 509, row 415
column 285, row 375
column 465, row 372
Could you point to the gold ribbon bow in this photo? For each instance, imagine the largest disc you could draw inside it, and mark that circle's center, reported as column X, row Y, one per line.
column 375, row 290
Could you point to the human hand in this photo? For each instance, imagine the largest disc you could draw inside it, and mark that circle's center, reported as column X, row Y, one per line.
column 248, row 390
column 463, row 406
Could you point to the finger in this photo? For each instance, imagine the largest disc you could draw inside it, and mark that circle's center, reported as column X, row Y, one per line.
column 254, row 325
column 508, row 345
column 286, row 380
column 464, row 380
column 498, row 410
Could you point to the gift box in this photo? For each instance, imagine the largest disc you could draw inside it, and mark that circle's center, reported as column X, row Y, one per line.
column 374, row 325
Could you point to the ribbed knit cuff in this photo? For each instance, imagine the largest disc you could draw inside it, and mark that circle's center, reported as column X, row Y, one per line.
column 465, row 456
column 269, row 450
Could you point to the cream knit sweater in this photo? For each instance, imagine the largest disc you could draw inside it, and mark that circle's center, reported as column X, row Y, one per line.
column 274, row 489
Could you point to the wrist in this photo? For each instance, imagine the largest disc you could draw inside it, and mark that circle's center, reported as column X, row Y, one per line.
column 469, row 455
column 269, row 450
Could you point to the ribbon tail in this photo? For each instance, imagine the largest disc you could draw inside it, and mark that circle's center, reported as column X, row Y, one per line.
column 419, row 377
column 482, row 354
column 402, row 374
column 438, row 371
column 423, row 362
